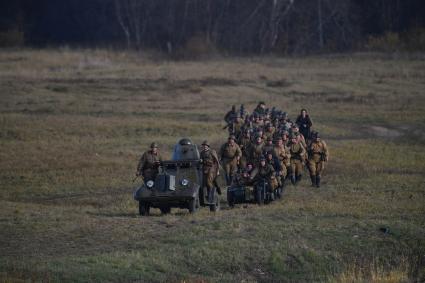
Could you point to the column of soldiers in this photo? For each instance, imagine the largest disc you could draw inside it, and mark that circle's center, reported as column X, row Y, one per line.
column 264, row 144
column 267, row 143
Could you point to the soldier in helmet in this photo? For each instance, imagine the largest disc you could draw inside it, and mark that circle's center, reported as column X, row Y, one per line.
column 297, row 159
column 260, row 110
column 282, row 152
column 244, row 143
column 149, row 163
column 256, row 149
column 210, row 169
column 296, row 131
column 318, row 155
column 269, row 145
column 265, row 171
column 229, row 155
column 231, row 118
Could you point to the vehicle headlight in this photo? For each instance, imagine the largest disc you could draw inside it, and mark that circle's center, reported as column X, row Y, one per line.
column 149, row 184
column 185, row 182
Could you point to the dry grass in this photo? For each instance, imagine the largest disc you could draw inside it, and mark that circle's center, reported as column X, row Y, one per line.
column 73, row 123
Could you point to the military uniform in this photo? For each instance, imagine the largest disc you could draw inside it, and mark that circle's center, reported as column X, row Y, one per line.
column 283, row 154
column 269, row 146
column 266, row 172
column 148, row 165
column 245, row 146
column 229, row 155
column 256, row 152
column 297, row 152
column 318, row 155
column 210, row 167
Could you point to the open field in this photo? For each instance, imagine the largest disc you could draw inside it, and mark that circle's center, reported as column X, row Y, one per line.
column 73, row 123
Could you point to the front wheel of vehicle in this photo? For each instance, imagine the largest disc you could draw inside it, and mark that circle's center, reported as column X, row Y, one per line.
column 144, row 208
column 193, row 205
column 230, row 199
column 165, row 210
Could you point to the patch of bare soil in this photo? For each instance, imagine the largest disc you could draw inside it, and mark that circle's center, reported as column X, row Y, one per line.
column 384, row 132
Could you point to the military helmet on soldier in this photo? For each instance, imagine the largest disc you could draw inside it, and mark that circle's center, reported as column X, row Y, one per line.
column 154, row 145
column 206, row 143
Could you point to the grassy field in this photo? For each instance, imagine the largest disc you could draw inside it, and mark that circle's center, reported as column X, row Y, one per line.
column 73, row 124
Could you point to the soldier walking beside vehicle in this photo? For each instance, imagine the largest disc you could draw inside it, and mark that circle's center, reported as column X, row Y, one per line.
column 318, row 155
column 230, row 153
column 149, row 163
column 210, row 167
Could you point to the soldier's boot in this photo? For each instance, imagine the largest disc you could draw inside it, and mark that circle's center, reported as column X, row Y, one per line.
column 217, row 187
column 211, row 195
column 318, row 181
column 313, row 180
column 293, row 180
column 298, row 178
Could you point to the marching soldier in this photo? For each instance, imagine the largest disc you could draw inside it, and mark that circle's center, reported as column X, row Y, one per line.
column 210, row 170
column 265, row 171
column 318, row 155
column 283, row 154
column 297, row 159
column 256, row 150
column 269, row 145
column 149, row 163
column 245, row 145
column 230, row 153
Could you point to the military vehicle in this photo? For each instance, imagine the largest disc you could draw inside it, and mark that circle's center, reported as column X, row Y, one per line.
column 259, row 193
column 178, row 184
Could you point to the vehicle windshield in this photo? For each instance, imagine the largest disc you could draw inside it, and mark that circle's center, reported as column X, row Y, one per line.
column 183, row 170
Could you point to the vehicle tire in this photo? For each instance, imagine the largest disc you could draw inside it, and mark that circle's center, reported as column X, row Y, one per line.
column 144, row 208
column 259, row 196
column 165, row 209
column 230, row 200
column 193, row 205
column 216, row 206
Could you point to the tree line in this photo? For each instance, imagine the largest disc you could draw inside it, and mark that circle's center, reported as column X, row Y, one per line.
column 232, row 26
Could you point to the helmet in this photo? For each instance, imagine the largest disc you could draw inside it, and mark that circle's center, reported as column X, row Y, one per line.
column 206, row 143
column 154, row 145
column 185, row 141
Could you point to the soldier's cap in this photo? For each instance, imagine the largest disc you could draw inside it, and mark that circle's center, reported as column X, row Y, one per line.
column 277, row 139
column 285, row 133
column 261, row 103
column 317, row 135
column 293, row 136
column 269, row 152
column 206, row 143
column 262, row 158
column 232, row 137
column 154, row 145
column 295, row 125
column 269, row 139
